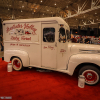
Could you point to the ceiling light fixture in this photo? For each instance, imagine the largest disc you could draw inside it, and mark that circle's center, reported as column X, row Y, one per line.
column 34, row 10
column 93, row 3
column 21, row 11
column 8, row 9
column 41, row 0
column 66, row 6
column 22, row 6
column 55, row 3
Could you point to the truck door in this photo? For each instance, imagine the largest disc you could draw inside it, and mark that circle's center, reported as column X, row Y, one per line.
column 62, row 48
column 49, row 45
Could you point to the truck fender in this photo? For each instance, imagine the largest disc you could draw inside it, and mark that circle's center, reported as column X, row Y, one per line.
column 23, row 55
column 78, row 59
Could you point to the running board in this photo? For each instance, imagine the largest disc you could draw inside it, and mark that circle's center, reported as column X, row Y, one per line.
column 64, row 71
column 59, row 70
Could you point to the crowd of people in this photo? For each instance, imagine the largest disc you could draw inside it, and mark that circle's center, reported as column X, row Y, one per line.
column 85, row 39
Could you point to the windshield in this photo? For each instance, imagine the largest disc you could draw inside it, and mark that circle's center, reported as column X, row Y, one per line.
column 68, row 34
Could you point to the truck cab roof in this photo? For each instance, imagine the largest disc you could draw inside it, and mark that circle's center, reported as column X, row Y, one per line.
column 58, row 20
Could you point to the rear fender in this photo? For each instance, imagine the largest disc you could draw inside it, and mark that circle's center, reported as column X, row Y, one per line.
column 23, row 55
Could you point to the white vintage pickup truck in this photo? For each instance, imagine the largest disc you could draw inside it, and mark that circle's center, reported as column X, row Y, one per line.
column 44, row 43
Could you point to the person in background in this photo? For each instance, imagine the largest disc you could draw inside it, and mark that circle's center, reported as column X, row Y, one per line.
column 78, row 39
column 1, row 41
column 74, row 40
column 91, row 41
column 87, row 40
column 81, row 40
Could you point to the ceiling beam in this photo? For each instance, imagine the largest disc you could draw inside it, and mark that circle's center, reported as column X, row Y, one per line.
column 83, row 12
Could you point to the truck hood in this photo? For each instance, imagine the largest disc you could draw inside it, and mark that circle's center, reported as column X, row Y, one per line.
column 84, row 48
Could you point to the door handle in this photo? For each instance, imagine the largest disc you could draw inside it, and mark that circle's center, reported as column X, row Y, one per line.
column 55, row 44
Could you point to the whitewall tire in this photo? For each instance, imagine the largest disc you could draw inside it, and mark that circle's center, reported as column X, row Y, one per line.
column 91, row 73
column 17, row 64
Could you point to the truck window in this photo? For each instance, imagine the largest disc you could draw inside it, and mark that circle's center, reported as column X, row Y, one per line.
column 62, row 35
column 49, row 34
column 68, row 34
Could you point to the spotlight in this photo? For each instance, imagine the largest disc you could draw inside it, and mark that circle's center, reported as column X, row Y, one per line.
column 66, row 6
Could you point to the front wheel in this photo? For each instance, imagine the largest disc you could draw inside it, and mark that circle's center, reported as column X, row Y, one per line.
column 17, row 64
column 91, row 73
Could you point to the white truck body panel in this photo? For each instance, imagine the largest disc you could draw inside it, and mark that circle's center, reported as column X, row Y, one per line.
column 24, row 39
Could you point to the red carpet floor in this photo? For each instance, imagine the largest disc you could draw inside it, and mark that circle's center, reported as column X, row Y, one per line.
column 33, row 85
